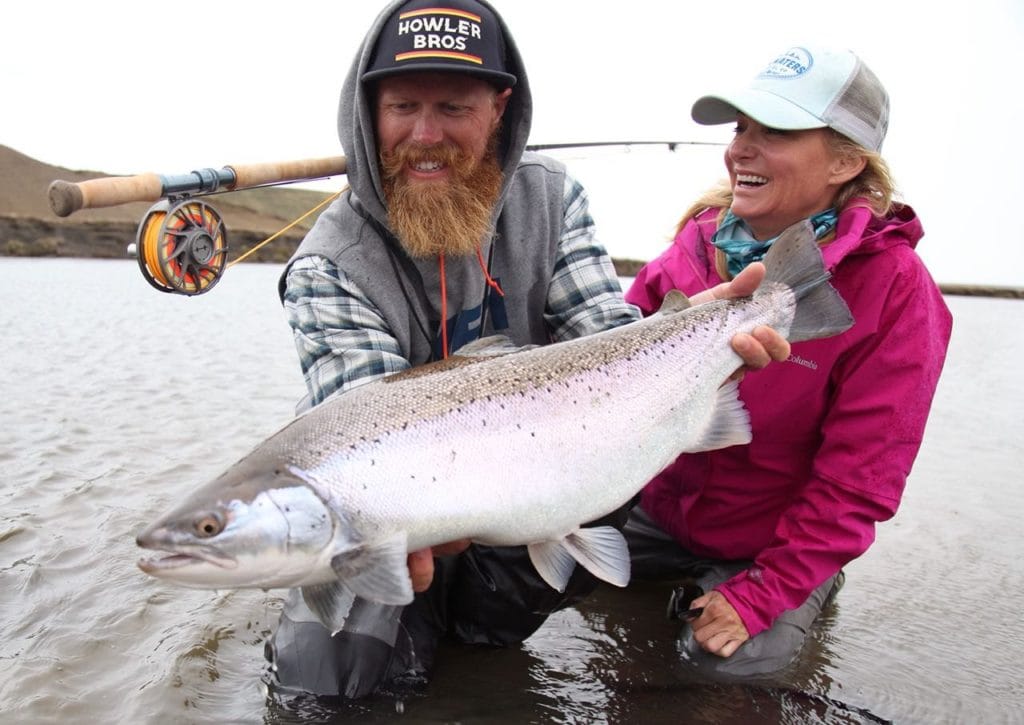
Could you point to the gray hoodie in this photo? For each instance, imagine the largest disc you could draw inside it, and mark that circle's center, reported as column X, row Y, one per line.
column 523, row 254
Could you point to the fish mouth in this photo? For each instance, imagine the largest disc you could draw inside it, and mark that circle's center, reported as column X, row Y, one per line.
column 162, row 563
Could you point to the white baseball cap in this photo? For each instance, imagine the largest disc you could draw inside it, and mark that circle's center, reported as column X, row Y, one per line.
column 807, row 87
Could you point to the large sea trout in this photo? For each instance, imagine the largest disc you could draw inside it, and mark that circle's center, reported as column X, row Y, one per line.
column 504, row 448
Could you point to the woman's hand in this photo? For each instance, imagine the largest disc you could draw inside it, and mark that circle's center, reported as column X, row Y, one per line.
column 719, row 629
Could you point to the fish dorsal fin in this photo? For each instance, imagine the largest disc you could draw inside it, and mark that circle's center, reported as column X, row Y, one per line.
column 330, row 602
column 675, row 301
column 491, row 346
column 729, row 424
column 601, row 550
column 485, row 348
column 378, row 572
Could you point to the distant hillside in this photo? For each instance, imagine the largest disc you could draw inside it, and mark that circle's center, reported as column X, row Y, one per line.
column 28, row 227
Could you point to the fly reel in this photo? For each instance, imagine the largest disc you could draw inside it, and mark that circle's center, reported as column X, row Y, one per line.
column 182, row 246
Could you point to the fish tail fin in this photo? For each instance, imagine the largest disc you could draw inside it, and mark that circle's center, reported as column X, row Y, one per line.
column 795, row 260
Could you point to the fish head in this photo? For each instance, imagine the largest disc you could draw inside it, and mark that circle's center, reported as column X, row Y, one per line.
column 253, row 526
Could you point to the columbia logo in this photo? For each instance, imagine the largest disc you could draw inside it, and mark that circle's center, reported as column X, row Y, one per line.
column 800, row 361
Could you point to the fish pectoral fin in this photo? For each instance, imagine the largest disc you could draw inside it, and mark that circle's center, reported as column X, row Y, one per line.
column 377, row 572
column 729, row 424
column 330, row 603
column 553, row 562
column 602, row 551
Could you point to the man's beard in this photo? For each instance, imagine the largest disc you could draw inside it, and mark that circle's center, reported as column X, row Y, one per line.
column 450, row 217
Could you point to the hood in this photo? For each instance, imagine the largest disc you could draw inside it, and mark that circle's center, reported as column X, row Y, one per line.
column 859, row 231
column 356, row 125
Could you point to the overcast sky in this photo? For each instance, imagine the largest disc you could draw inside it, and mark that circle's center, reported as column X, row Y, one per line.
column 127, row 87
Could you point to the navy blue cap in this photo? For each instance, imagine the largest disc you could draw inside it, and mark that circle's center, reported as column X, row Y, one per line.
column 460, row 36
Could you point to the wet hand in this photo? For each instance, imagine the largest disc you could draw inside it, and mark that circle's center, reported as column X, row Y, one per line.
column 759, row 348
column 719, row 629
column 742, row 285
column 421, row 562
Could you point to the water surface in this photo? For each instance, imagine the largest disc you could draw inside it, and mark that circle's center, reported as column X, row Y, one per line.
column 116, row 398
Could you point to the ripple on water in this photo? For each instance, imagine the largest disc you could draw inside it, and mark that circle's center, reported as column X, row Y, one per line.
column 158, row 399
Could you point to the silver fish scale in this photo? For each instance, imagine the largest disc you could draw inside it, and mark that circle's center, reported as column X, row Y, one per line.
column 523, row 437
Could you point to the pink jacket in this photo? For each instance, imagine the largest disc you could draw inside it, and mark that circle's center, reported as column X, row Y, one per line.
column 836, row 427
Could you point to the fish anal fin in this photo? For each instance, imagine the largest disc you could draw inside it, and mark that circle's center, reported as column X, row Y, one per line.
column 729, row 424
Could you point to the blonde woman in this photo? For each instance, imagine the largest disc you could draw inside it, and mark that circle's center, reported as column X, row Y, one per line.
column 766, row 528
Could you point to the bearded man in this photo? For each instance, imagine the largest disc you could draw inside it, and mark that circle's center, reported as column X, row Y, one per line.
column 449, row 231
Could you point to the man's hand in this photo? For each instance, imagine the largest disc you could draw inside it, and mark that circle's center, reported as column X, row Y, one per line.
column 719, row 629
column 765, row 344
column 421, row 562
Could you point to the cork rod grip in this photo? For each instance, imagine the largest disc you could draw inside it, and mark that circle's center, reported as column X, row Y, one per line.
column 67, row 197
column 269, row 173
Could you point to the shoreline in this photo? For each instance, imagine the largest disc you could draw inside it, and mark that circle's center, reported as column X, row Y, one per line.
column 34, row 237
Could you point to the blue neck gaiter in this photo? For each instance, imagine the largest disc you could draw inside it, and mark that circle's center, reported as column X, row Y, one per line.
column 737, row 241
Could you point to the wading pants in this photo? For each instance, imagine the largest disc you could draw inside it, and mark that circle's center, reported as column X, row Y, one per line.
column 657, row 556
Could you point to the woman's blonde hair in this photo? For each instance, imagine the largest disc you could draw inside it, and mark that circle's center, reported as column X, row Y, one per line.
column 874, row 184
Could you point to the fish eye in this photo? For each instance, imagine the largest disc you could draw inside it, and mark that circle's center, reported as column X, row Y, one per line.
column 208, row 525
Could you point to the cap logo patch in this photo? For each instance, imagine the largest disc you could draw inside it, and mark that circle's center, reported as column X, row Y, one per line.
column 439, row 33
column 791, row 64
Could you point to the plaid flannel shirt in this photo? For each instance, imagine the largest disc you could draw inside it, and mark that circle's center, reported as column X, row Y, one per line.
column 344, row 341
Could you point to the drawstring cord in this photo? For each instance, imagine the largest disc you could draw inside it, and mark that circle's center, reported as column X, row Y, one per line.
column 487, row 275
column 444, row 295
column 444, row 308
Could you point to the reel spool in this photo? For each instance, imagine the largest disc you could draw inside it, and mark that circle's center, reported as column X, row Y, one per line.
column 181, row 246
